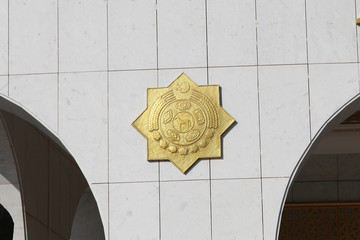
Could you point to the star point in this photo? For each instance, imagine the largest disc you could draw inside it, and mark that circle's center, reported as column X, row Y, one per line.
column 183, row 122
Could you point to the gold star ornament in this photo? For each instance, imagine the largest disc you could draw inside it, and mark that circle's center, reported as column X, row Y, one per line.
column 183, row 122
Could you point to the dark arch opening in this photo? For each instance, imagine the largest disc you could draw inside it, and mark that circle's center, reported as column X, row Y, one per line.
column 6, row 224
column 320, row 140
column 50, row 181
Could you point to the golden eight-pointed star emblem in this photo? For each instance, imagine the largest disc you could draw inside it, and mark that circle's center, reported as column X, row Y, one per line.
column 183, row 122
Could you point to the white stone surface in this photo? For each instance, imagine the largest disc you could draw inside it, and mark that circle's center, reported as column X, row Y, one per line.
column 134, row 211
column 132, row 23
column 201, row 168
column 83, row 121
column 32, row 90
column 181, row 33
column 19, row 234
column 331, row 31
column 331, row 86
column 82, row 35
column 4, row 85
column 241, row 150
column 284, row 121
column 4, row 37
column 273, row 194
column 185, row 210
column 231, row 36
column 127, row 147
column 236, row 208
column 281, row 31
column 95, row 112
column 33, row 36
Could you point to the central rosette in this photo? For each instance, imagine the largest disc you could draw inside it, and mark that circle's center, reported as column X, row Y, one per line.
column 182, row 122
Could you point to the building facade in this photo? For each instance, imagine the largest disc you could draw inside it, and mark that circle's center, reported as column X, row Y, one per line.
column 78, row 71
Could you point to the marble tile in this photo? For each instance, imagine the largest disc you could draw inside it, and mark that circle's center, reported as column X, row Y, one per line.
column 273, row 196
column 4, row 37
column 19, row 234
column 349, row 167
column 38, row 94
column 357, row 15
column 127, row 147
column 231, row 36
column 185, row 210
column 284, row 121
column 241, row 150
column 331, row 31
column 281, row 31
column 4, row 85
column 319, row 168
column 342, row 84
column 200, row 169
column 132, row 34
column 83, row 121
column 82, row 35
column 236, row 208
column 181, row 33
column 101, row 195
column 134, row 211
column 349, row 191
column 33, row 36
column 315, row 191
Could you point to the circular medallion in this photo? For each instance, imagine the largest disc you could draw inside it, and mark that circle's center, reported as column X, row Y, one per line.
column 182, row 122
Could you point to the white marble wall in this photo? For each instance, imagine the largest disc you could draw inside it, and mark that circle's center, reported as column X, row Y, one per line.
column 82, row 68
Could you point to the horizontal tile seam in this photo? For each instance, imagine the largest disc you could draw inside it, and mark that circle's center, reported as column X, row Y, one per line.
column 175, row 68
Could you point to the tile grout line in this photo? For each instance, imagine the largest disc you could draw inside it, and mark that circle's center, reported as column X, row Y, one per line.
column 259, row 119
column 108, row 117
column 177, row 68
column 189, row 180
column 58, row 66
column 308, row 68
column 157, row 84
column 357, row 44
column 208, row 82
column 8, row 51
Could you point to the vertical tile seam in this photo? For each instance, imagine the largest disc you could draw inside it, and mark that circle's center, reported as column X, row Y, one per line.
column 157, row 84
column 58, row 67
column 108, row 118
column 208, row 82
column 259, row 121
column 308, row 67
column 8, row 50
column 357, row 45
